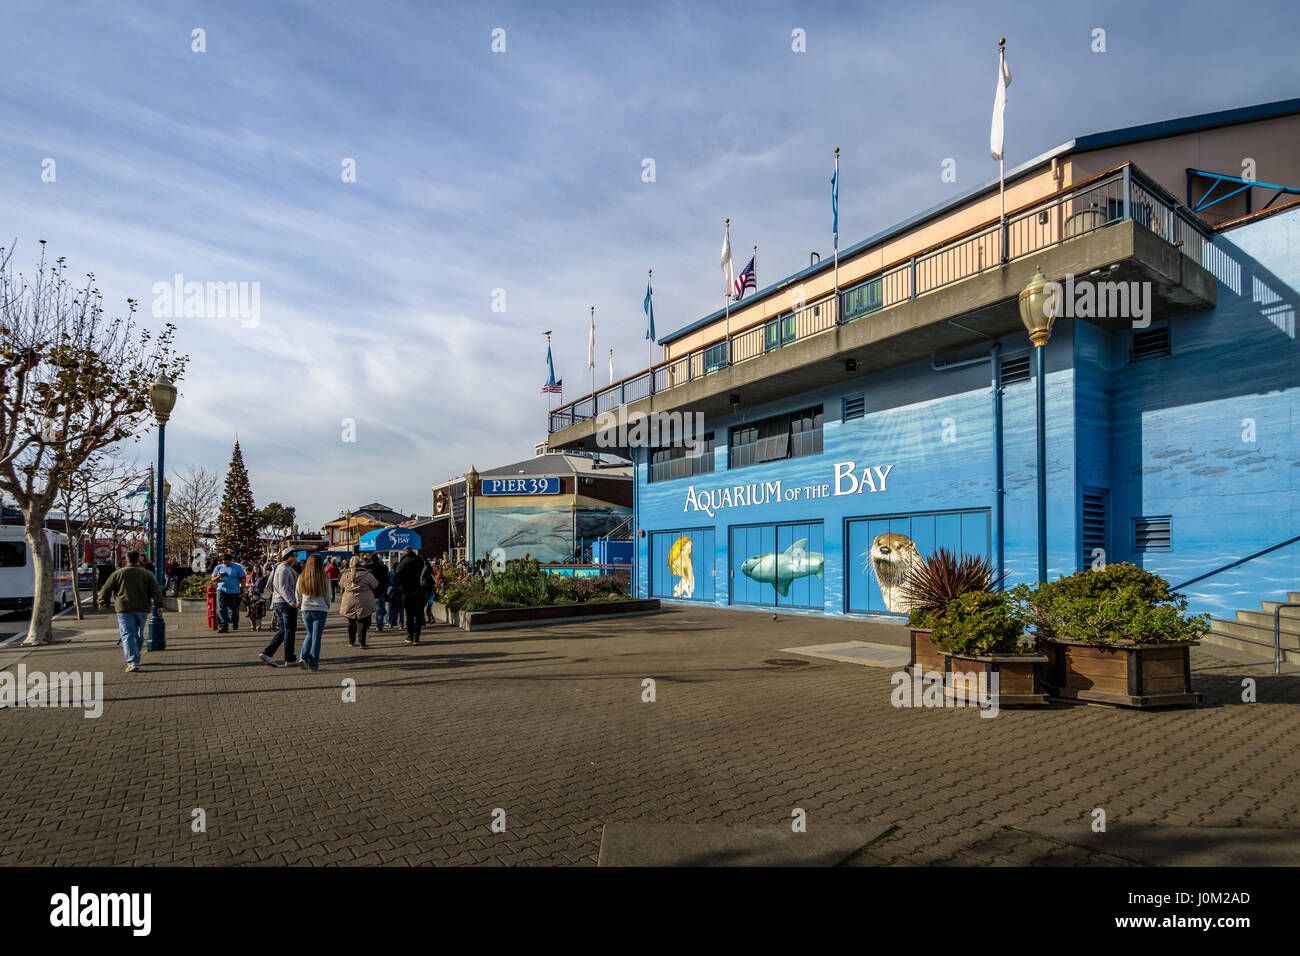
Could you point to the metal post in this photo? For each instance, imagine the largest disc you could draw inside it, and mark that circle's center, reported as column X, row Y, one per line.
column 1277, row 636
column 1040, row 364
column 1128, row 191
column 157, row 640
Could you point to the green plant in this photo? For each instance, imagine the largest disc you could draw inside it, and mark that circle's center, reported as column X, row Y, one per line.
column 932, row 583
column 979, row 622
column 520, row 585
column 1118, row 604
column 193, row 587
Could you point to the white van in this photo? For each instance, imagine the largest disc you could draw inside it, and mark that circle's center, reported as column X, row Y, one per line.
column 18, row 577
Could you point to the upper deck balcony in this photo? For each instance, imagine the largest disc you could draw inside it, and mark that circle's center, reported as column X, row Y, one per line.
column 956, row 293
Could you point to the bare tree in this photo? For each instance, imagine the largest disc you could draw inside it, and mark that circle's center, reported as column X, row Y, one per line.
column 72, row 381
column 192, row 508
column 90, row 494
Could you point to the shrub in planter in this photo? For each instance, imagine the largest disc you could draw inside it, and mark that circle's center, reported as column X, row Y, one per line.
column 1116, row 635
column 928, row 588
column 979, row 623
column 193, row 588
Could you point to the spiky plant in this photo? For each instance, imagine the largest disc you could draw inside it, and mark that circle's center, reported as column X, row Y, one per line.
column 944, row 575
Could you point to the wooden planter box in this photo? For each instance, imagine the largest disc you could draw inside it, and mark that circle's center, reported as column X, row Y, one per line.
column 926, row 657
column 1134, row 675
column 1020, row 681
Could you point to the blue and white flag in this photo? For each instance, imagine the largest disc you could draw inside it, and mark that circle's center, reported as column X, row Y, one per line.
column 551, row 384
column 649, row 306
column 835, row 202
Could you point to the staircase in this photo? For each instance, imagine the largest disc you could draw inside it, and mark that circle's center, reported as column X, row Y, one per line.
column 1252, row 631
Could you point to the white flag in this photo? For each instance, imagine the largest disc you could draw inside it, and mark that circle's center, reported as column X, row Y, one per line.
column 728, row 276
column 611, row 366
column 591, row 344
column 999, row 107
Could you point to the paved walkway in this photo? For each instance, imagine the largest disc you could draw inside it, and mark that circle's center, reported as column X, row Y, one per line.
column 549, row 725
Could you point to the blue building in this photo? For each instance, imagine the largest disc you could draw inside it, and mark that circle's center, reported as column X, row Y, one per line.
column 851, row 424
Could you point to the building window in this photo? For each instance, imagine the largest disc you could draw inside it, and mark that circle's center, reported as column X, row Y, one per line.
column 792, row 435
column 855, row 406
column 779, row 333
column 1151, row 534
column 715, row 357
column 1015, row 370
column 1149, row 343
column 680, row 461
column 863, row 299
column 1094, row 525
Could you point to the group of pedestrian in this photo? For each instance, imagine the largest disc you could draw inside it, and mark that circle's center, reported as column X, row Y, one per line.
column 400, row 594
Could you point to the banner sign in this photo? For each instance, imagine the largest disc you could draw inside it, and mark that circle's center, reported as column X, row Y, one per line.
column 521, row 486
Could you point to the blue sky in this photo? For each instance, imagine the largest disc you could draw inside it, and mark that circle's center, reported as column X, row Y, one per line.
column 520, row 171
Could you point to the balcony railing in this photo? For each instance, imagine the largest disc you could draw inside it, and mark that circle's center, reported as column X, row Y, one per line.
column 1116, row 195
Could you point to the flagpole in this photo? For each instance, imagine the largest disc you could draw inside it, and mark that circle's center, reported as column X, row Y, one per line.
column 548, row 394
column 650, row 342
column 727, row 299
column 591, row 360
column 837, row 232
column 1002, row 182
column 611, row 366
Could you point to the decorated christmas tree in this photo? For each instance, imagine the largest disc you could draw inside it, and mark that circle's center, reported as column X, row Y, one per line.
column 237, row 522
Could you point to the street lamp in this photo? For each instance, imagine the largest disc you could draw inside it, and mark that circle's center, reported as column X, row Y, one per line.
column 471, row 485
column 1038, row 306
column 162, row 396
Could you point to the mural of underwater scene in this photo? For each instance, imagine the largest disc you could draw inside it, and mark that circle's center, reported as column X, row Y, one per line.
column 544, row 532
column 881, row 551
column 681, row 564
column 778, row 565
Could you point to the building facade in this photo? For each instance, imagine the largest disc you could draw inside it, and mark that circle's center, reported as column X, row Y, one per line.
column 850, row 431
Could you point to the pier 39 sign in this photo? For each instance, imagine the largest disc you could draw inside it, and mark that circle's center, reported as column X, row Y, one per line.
column 848, row 481
column 521, row 486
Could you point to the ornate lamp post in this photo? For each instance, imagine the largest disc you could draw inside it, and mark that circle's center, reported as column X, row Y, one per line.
column 471, row 485
column 1038, row 311
column 162, row 396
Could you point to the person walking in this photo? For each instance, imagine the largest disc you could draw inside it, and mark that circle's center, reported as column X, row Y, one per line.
column 230, row 578
column 133, row 591
column 410, row 576
column 358, row 600
column 332, row 572
column 313, row 597
column 283, row 585
column 380, row 574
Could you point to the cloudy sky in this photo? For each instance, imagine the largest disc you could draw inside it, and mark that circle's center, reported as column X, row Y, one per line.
column 519, row 171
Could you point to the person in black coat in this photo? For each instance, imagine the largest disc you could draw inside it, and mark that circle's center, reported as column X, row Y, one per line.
column 410, row 576
column 376, row 568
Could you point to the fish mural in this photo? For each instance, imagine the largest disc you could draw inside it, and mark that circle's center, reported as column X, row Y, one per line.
column 680, row 567
column 780, row 569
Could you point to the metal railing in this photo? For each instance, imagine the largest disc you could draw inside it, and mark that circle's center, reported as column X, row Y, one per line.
column 1116, row 195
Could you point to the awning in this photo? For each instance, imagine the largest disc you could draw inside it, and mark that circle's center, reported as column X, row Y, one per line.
column 389, row 539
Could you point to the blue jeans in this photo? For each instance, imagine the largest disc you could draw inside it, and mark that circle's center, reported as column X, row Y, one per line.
column 227, row 610
column 314, row 622
column 286, row 626
column 379, row 610
column 131, row 625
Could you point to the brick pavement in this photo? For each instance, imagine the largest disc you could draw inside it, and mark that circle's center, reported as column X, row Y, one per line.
column 548, row 724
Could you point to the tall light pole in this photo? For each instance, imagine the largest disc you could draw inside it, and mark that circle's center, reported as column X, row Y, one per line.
column 1038, row 312
column 162, row 396
column 471, row 485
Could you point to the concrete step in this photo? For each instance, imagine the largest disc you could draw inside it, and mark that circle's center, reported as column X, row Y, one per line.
column 1253, row 649
column 1271, row 606
column 1293, row 596
column 1262, row 634
column 1288, row 625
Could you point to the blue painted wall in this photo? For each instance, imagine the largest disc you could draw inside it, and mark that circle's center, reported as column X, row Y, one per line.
column 1163, row 436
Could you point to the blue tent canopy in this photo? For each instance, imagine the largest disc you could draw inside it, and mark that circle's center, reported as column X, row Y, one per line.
column 389, row 539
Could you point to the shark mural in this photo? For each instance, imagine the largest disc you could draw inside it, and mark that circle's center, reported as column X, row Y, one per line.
column 780, row 569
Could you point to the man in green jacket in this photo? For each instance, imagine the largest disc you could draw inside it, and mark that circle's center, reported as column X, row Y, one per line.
column 133, row 591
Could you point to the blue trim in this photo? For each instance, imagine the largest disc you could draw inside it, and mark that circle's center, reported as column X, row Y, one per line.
column 1186, row 124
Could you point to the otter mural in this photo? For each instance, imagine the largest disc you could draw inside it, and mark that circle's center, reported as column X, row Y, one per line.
column 891, row 556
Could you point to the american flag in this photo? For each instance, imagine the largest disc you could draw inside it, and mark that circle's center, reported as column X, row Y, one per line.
column 746, row 280
column 554, row 387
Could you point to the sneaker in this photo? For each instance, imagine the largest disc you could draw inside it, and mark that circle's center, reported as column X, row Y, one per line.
column 268, row 660
column 365, row 646
column 132, row 667
column 303, row 663
column 314, row 669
